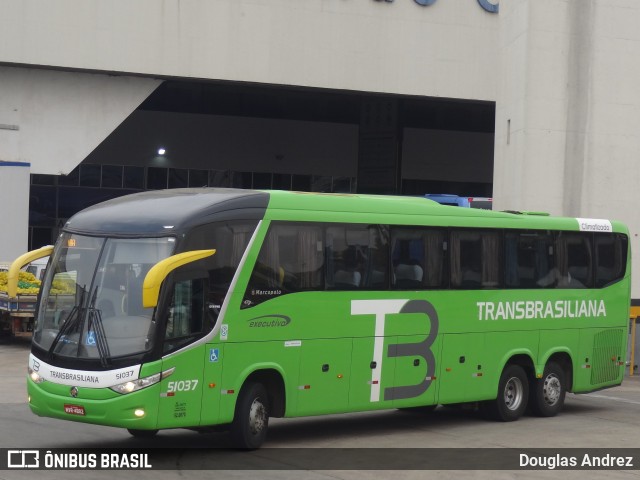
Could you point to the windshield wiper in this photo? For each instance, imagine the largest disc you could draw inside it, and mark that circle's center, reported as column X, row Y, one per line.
column 68, row 323
column 99, row 335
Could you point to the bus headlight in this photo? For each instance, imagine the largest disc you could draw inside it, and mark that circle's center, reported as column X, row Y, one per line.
column 140, row 383
column 35, row 376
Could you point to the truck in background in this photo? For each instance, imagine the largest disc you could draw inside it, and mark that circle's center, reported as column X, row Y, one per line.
column 17, row 312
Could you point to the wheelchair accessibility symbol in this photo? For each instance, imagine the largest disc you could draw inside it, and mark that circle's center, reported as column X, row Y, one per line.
column 91, row 338
column 214, row 355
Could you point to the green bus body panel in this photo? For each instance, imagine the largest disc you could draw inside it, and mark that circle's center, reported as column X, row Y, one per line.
column 464, row 375
column 349, row 351
column 99, row 405
column 213, row 357
column 181, row 393
column 324, row 378
column 469, row 353
column 242, row 359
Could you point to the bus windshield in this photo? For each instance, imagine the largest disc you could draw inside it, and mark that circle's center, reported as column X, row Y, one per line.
column 91, row 304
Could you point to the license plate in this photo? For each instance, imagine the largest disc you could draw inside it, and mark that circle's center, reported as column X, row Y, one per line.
column 74, row 409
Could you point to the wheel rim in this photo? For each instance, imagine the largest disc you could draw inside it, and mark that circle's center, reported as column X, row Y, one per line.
column 257, row 417
column 513, row 393
column 551, row 389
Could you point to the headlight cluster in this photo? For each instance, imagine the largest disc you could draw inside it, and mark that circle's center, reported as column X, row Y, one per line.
column 140, row 383
column 123, row 388
column 35, row 376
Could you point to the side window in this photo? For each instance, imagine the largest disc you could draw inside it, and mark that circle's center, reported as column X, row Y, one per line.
column 291, row 260
column 611, row 258
column 302, row 257
column 475, row 259
column 417, row 258
column 230, row 240
column 376, row 273
column 529, row 260
column 574, row 255
column 357, row 257
column 187, row 317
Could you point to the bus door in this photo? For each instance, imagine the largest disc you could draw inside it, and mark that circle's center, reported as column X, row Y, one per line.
column 187, row 320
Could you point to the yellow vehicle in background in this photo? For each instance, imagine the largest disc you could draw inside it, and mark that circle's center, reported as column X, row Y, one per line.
column 17, row 309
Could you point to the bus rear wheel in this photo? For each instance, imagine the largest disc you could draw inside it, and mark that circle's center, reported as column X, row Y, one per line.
column 547, row 393
column 251, row 419
column 513, row 394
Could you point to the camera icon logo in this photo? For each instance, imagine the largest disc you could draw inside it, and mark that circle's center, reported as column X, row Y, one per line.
column 23, row 459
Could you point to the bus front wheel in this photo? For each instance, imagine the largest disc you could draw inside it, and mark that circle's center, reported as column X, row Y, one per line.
column 547, row 393
column 513, row 394
column 251, row 419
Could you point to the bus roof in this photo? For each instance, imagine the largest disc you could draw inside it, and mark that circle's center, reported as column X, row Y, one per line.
column 158, row 212
column 359, row 208
column 162, row 211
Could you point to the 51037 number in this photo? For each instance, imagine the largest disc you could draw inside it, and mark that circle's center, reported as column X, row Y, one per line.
column 182, row 386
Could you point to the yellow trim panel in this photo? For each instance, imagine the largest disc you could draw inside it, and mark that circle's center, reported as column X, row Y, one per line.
column 157, row 274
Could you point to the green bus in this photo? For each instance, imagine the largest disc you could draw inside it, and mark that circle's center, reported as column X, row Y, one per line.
column 192, row 308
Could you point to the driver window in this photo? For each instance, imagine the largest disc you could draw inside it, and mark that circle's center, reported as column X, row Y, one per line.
column 187, row 316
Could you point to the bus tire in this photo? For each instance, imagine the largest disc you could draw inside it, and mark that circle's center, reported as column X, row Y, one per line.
column 142, row 433
column 251, row 419
column 513, row 394
column 547, row 393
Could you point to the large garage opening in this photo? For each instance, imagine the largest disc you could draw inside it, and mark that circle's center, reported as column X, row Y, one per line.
column 197, row 133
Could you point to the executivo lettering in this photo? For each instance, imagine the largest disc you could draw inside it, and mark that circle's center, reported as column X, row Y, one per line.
column 270, row 321
column 533, row 309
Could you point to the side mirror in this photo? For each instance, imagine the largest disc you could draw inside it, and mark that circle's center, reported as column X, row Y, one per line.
column 156, row 275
